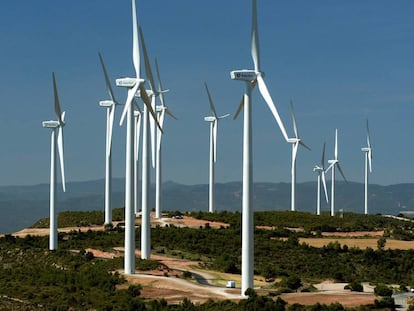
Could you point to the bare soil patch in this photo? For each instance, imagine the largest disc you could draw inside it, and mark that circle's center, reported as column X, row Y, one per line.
column 361, row 243
column 347, row 299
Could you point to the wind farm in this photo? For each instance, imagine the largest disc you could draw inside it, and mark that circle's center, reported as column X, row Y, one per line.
column 162, row 167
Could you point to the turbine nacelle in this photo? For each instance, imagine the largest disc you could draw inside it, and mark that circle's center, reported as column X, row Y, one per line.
column 366, row 149
column 128, row 82
column 317, row 169
column 107, row 103
column 245, row 75
column 210, row 119
column 294, row 140
column 51, row 124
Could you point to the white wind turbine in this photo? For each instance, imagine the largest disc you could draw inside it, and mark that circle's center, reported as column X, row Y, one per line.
column 321, row 176
column 296, row 141
column 251, row 77
column 110, row 113
column 57, row 130
column 133, row 84
column 161, row 110
column 333, row 163
column 214, row 119
column 368, row 165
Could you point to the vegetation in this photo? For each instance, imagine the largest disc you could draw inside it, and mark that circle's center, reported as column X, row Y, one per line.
column 33, row 275
column 354, row 286
column 80, row 218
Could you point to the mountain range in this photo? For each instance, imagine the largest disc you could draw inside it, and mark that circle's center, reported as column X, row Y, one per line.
column 21, row 206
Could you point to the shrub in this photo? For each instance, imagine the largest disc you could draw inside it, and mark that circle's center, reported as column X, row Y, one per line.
column 354, row 286
column 383, row 290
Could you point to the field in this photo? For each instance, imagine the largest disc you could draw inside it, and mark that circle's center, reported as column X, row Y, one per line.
column 360, row 242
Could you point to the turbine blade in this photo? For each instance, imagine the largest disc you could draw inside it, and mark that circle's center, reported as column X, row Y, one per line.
column 152, row 131
column 137, row 136
column 215, row 125
column 160, row 89
column 369, row 149
column 324, row 186
column 131, row 94
column 135, row 42
column 213, row 109
column 110, row 127
column 147, row 64
column 368, row 137
column 224, row 116
column 107, row 81
column 342, row 173
column 265, row 94
column 370, row 160
column 295, row 127
column 336, row 144
column 330, row 166
column 294, row 154
column 239, row 109
column 60, row 152
column 304, row 145
column 147, row 103
column 58, row 111
column 323, row 157
column 255, row 38
column 167, row 111
column 159, row 134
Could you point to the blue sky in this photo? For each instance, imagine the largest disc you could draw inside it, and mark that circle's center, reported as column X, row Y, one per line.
column 340, row 62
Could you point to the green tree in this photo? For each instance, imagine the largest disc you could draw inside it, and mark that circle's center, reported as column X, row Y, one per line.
column 381, row 243
column 383, row 290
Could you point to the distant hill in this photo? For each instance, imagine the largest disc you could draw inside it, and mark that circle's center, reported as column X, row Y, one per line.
column 21, row 206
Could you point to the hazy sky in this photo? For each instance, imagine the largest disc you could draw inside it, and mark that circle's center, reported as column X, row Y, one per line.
column 340, row 61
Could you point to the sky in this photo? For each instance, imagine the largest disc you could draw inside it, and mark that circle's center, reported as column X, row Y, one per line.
column 341, row 62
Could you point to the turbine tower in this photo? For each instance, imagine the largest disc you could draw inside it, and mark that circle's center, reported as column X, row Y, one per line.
column 133, row 84
column 333, row 163
column 296, row 141
column 368, row 165
column 160, row 110
column 57, row 130
column 110, row 113
column 213, row 148
column 321, row 176
column 145, row 215
column 251, row 78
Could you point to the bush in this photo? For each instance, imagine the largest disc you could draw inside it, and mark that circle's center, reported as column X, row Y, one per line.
column 354, row 287
column 292, row 282
column 134, row 290
column 187, row 275
column 383, row 290
column 385, row 302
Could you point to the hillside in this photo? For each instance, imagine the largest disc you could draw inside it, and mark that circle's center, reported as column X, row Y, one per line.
column 191, row 262
column 21, row 206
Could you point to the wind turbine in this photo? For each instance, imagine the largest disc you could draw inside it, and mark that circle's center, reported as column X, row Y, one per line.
column 110, row 113
column 214, row 119
column 321, row 176
column 57, row 130
column 161, row 110
column 133, row 84
column 296, row 141
column 251, row 78
column 368, row 165
column 333, row 163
